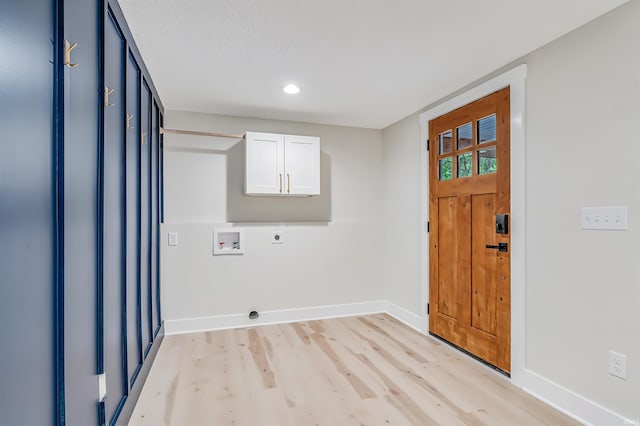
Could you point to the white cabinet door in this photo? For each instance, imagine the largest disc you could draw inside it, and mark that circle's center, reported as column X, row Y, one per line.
column 264, row 163
column 302, row 165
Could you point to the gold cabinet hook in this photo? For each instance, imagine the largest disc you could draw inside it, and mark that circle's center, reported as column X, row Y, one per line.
column 107, row 92
column 129, row 118
column 68, row 47
column 143, row 134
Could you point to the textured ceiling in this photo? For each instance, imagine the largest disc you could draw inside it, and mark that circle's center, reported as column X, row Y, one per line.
column 365, row 63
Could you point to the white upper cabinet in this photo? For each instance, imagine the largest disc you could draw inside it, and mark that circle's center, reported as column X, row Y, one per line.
column 282, row 164
column 264, row 164
column 302, row 164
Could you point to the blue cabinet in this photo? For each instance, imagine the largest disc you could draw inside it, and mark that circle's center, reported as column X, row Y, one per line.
column 145, row 215
column 113, row 223
column 80, row 194
column 29, row 271
column 82, row 137
column 132, row 189
column 154, row 219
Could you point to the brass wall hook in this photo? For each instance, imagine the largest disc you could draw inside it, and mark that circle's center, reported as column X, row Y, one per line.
column 107, row 92
column 129, row 118
column 68, row 47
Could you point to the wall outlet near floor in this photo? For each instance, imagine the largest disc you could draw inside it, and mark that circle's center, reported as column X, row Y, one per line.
column 617, row 364
column 102, row 387
column 277, row 237
column 173, row 238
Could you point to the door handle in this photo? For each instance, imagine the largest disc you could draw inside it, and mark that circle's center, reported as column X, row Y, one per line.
column 288, row 183
column 502, row 247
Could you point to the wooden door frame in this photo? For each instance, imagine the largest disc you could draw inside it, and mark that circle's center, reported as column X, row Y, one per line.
column 515, row 79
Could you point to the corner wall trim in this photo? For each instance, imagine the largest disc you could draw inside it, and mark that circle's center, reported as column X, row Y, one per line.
column 418, row 323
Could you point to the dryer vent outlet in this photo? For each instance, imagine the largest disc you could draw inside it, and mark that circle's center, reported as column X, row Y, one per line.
column 254, row 315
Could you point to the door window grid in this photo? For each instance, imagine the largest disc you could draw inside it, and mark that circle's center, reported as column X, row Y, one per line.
column 474, row 149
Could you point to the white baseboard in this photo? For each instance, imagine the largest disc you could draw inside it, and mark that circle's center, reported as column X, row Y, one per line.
column 410, row 319
column 222, row 322
column 553, row 394
column 569, row 402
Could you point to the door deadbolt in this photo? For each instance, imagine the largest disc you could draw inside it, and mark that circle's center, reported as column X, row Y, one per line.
column 502, row 224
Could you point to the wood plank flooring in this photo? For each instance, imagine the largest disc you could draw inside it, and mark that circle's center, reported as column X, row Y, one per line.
column 369, row 370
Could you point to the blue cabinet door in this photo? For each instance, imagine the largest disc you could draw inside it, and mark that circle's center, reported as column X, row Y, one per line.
column 134, row 333
column 27, row 266
column 81, row 125
column 113, row 231
column 145, row 211
column 161, row 172
column 155, row 223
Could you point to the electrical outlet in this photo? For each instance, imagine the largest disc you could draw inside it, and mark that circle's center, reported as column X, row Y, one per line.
column 173, row 238
column 618, row 365
column 102, row 387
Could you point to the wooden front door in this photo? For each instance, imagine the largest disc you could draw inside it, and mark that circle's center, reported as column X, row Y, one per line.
column 469, row 290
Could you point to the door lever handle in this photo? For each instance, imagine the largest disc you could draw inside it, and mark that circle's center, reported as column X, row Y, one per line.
column 502, row 247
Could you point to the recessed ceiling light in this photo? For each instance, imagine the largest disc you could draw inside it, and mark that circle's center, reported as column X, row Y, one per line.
column 291, row 89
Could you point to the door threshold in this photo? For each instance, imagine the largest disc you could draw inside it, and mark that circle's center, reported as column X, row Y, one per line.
column 466, row 352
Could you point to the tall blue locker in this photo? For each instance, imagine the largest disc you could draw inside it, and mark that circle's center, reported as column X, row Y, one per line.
column 113, row 223
column 132, row 188
column 154, row 222
column 161, row 175
column 81, row 140
column 145, row 214
column 79, row 206
column 29, row 278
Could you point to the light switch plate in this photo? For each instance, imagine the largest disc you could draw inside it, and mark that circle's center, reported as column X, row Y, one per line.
column 604, row 218
column 173, row 238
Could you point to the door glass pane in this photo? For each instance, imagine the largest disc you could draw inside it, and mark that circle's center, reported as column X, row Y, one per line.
column 446, row 168
column 465, row 136
column 444, row 141
column 465, row 165
column 487, row 129
column 487, row 160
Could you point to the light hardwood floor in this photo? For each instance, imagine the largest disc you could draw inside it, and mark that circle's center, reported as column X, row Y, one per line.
column 369, row 370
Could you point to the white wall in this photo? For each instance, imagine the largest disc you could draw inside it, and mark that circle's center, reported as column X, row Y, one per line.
column 360, row 241
column 583, row 287
column 333, row 243
column 402, row 212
